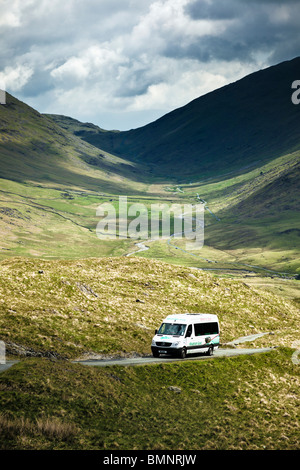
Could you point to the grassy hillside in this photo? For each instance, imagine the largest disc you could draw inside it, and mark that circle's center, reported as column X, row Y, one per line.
column 113, row 305
column 65, row 309
column 251, row 120
column 241, row 403
column 37, row 221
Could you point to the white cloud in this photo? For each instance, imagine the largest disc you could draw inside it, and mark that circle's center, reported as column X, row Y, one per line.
column 14, row 78
column 167, row 21
column 97, row 60
column 9, row 14
column 12, row 12
column 187, row 81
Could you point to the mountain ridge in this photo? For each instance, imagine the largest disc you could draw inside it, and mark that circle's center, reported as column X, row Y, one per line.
column 229, row 127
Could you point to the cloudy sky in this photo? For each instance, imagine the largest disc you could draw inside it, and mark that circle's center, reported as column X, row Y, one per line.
column 124, row 63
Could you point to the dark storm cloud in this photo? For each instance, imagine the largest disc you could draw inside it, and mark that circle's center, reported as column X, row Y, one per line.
column 218, row 10
column 257, row 26
column 228, row 9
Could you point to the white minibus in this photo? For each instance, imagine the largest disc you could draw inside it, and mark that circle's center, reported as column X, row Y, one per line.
column 187, row 333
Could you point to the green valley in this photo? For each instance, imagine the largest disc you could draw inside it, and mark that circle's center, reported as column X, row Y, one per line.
column 67, row 294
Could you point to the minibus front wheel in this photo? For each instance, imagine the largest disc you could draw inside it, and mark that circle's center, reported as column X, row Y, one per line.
column 182, row 353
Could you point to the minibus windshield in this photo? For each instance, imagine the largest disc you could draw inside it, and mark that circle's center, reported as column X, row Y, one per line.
column 174, row 329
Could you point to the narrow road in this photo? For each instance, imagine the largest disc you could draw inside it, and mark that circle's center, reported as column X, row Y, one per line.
column 141, row 247
column 6, row 365
column 139, row 361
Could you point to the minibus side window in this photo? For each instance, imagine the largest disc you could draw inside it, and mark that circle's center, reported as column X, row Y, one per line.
column 202, row 329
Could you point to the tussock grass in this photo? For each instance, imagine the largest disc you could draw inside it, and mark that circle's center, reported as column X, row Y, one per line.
column 237, row 403
column 47, row 427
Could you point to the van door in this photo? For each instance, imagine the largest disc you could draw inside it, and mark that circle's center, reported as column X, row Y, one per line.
column 189, row 338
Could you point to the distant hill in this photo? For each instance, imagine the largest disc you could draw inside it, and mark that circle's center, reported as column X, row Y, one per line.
column 233, row 127
column 34, row 149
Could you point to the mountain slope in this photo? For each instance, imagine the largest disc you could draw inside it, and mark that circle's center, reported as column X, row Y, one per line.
column 225, row 130
column 35, row 149
column 259, row 215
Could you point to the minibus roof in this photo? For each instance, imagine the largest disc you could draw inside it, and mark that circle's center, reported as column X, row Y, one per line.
column 191, row 318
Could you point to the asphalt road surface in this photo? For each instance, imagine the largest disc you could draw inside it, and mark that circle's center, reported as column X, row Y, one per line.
column 6, row 365
column 138, row 361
